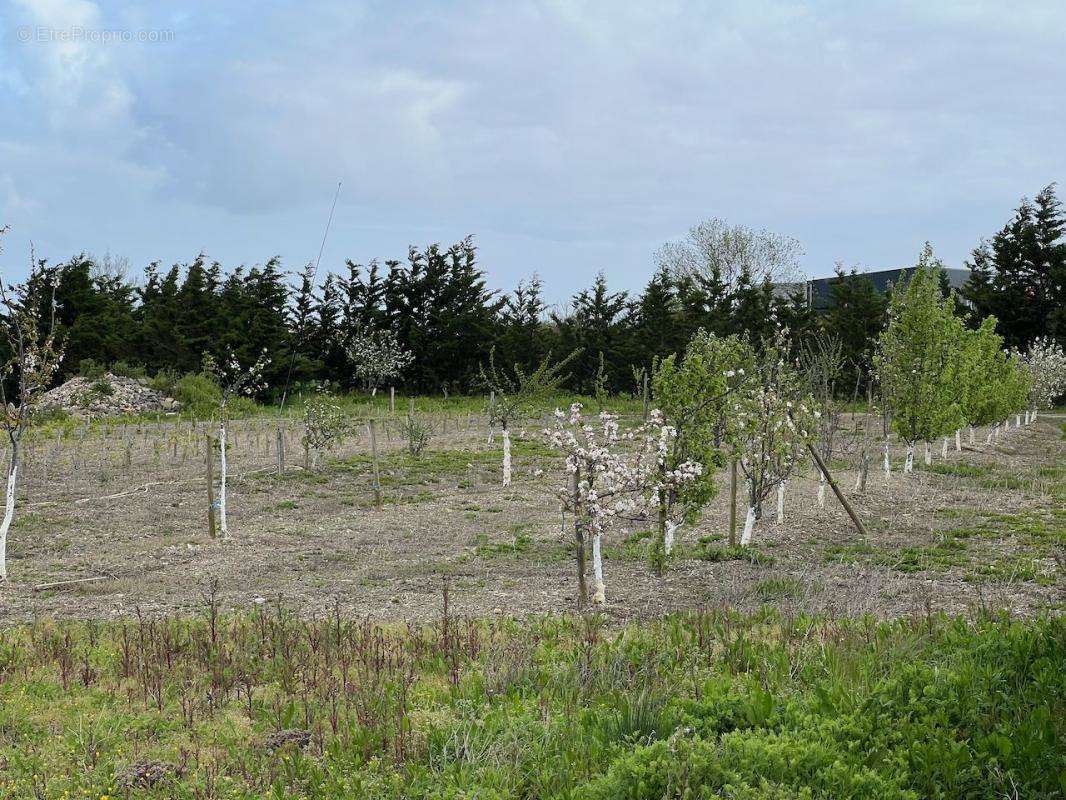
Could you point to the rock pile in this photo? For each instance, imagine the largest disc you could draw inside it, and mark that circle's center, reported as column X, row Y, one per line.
column 109, row 395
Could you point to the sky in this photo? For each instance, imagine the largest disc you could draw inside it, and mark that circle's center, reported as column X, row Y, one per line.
column 568, row 137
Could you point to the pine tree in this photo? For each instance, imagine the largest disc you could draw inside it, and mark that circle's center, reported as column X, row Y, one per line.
column 1020, row 275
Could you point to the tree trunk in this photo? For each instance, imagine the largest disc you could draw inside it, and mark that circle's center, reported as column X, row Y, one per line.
column 222, row 522
column 971, row 436
column 928, row 454
column 821, row 490
column 599, row 596
column 781, row 503
column 579, row 543
column 9, row 509
column 944, row 448
column 749, row 526
column 958, row 440
column 864, row 471
column 887, row 463
column 506, row 434
column 668, row 536
column 908, row 465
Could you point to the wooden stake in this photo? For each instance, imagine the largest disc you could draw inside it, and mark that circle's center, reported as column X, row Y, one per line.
column 281, row 452
column 210, row 488
column 732, row 502
column 374, row 464
column 836, row 490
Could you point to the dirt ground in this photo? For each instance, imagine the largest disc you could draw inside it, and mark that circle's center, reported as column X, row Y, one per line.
column 985, row 527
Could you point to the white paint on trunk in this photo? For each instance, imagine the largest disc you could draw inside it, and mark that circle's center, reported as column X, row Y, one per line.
column 222, row 480
column 886, row 463
column 781, row 502
column 668, row 536
column 1017, row 420
column 908, row 465
column 599, row 595
column 749, row 526
column 971, row 434
column 958, row 440
column 928, row 454
column 506, row 457
column 821, row 489
column 944, row 448
column 9, row 515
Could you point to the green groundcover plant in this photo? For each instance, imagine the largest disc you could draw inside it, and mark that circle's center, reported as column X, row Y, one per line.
column 700, row 705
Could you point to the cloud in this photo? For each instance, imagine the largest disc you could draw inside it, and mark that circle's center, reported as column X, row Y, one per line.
column 548, row 127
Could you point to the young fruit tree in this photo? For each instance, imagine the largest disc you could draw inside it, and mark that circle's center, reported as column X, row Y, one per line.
column 1046, row 363
column 612, row 476
column 515, row 394
column 915, row 357
column 982, row 372
column 694, row 394
column 775, row 418
column 34, row 353
column 325, row 425
column 233, row 380
column 822, row 365
column 378, row 358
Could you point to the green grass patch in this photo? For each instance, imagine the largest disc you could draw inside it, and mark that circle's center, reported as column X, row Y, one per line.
column 699, row 705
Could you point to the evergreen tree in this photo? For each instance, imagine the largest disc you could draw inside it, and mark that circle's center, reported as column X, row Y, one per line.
column 855, row 318
column 597, row 323
column 1020, row 275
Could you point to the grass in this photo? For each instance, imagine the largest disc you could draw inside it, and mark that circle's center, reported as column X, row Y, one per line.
column 700, row 705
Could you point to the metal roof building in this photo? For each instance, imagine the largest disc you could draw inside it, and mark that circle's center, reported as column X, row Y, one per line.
column 820, row 298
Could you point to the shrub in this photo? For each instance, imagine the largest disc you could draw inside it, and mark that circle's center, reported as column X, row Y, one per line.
column 125, row 369
column 91, row 369
column 102, row 388
column 164, row 381
column 197, row 393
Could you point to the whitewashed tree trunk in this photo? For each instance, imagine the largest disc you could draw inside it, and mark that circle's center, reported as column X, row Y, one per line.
column 668, row 536
column 908, row 465
column 971, row 435
column 1017, row 420
column 886, row 463
column 781, row 502
column 9, row 511
column 599, row 595
column 928, row 454
column 506, row 456
column 821, row 489
column 222, row 480
column 1034, row 415
column 991, row 434
column 944, row 448
column 1026, row 417
column 749, row 526
column 958, row 440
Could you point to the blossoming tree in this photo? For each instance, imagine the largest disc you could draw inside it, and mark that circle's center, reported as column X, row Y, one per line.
column 1046, row 363
column 612, row 476
column 694, row 394
column 233, row 380
column 34, row 355
column 377, row 358
column 774, row 420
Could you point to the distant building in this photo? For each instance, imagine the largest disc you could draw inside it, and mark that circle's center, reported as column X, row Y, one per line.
column 819, row 292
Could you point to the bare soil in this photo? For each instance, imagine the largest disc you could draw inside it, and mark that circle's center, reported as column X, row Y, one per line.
column 985, row 527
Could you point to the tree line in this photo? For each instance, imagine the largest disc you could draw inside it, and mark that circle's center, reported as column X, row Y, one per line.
column 724, row 280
